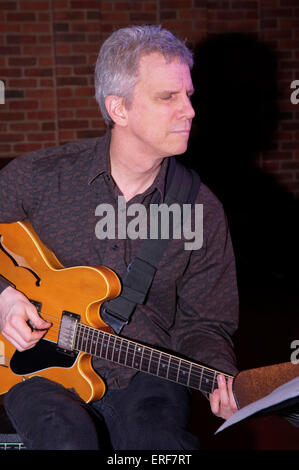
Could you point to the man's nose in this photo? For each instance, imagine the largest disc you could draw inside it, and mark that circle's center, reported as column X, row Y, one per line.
column 187, row 109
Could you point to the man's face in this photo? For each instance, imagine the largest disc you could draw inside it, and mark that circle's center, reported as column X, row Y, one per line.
column 160, row 112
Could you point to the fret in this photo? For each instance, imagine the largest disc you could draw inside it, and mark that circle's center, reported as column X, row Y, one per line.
column 214, row 382
column 83, row 340
column 104, row 346
column 137, row 357
column 150, row 361
column 153, row 369
column 184, row 372
column 92, row 341
column 76, row 343
column 130, row 356
column 108, row 346
column 141, row 359
column 98, row 342
column 87, row 339
column 163, row 365
column 189, row 375
column 146, row 359
column 179, row 366
column 126, row 358
column 173, row 368
column 123, row 352
column 117, row 349
column 201, row 375
column 206, row 383
column 79, row 336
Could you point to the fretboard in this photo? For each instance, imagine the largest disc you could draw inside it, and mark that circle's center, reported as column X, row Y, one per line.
column 144, row 358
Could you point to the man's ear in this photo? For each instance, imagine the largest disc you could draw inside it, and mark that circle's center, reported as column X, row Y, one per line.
column 116, row 108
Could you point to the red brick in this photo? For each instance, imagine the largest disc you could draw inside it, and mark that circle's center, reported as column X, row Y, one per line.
column 34, row 6
column 8, row 5
column 72, row 103
column 68, row 15
column 71, row 81
column 48, row 126
column 24, row 148
column 40, row 93
column 73, row 124
column 36, row 28
column 24, row 104
column 42, row 137
column 71, row 60
column 41, row 115
column 11, row 137
column 5, row 148
column 20, row 17
column 37, row 50
column 86, row 4
column 24, row 126
column 10, row 72
column 45, row 72
column 10, row 50
column 20, row 39
column 22, row 61
column 64, row 37
column 22, row 83
column 175, row 4
column 10, row 28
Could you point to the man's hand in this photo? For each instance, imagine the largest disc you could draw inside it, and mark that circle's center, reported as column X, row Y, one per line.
column 222, row 399
column 16, row 311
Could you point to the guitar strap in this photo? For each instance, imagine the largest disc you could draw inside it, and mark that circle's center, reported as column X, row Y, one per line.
column 182, row 186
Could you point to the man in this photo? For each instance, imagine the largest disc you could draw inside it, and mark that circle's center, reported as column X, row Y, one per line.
column 143, row 86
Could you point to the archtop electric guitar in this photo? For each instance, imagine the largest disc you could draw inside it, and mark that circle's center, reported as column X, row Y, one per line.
column 70, row 298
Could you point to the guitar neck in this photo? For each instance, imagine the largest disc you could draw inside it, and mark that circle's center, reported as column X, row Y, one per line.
column 145, row 359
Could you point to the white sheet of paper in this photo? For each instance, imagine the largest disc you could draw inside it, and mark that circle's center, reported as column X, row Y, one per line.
column 284, row 392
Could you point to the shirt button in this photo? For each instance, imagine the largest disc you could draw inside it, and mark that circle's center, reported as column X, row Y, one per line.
column 114, row 247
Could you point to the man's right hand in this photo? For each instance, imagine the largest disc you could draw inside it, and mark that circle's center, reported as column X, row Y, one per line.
column 20, row 322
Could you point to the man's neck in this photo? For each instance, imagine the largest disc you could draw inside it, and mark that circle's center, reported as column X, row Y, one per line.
column 132, row 171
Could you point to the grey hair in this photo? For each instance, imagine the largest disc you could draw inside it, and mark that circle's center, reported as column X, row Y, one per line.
column 116, row 70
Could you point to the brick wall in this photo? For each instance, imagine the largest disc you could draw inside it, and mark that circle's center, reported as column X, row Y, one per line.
column 48, row 50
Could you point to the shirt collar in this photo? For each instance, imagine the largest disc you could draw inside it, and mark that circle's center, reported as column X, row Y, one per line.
column 101, row 164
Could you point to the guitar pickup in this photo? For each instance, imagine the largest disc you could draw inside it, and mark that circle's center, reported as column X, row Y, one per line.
column 67, row 332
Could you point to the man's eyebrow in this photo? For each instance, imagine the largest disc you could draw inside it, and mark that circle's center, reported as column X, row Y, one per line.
column 174, row 92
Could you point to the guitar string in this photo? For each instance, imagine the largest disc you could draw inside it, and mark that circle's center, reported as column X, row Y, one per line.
column 130, row 354
column 203, row 371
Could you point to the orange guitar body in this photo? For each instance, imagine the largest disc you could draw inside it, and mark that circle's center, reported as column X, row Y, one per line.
column 35, row 271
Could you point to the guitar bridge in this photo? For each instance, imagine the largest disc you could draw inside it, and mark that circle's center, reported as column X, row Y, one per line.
column 67, row 333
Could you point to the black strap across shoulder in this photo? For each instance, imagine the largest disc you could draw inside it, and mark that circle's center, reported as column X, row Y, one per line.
column 182, row 185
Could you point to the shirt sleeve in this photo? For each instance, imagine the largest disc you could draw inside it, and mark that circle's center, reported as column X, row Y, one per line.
column 207, row 304
column 15, row 194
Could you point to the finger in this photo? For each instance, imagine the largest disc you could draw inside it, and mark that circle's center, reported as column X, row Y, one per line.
column 223, row 391
column 231, row 394
column 35, row 320
column 17, row 329
column 215, row 401
column 17, row 340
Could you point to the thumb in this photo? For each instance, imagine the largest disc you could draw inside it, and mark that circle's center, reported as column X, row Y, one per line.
column 35, row 320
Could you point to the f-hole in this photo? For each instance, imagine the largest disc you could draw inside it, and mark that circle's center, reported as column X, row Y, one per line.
column 38, row 279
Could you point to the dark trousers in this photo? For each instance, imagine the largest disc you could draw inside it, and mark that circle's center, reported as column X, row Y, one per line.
column 150, row 414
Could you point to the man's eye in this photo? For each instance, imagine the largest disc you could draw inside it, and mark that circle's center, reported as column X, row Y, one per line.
column 165, row 98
